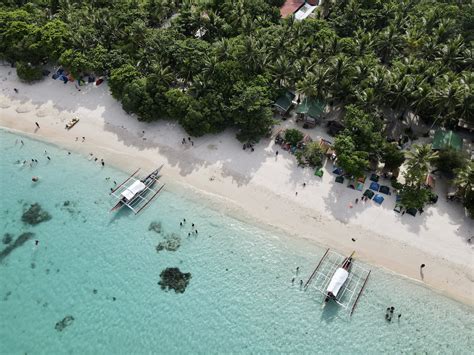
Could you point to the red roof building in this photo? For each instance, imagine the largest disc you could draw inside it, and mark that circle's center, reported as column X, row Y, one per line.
column 290, row 6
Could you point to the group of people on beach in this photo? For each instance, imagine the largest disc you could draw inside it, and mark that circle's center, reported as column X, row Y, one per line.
column 183, row 141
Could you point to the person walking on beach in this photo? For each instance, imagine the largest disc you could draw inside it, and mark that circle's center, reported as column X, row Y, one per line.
column 22, row 142
column 83, row 139
column 37, row 124
column 276, row 153
column 16, row 90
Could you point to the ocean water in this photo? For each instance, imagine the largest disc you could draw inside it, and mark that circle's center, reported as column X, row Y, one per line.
column 103, row 270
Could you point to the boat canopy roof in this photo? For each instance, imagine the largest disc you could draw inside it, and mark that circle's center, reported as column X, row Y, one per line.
column 133, row 189
column 338, row 279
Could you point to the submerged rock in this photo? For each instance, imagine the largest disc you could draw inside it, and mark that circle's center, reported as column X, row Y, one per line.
column 65, row 322
column 155, row 227
column 70, row 207
column 173, row 279
column 7, row 238
column 35, row 215
column 17, row 243
column 171, row 243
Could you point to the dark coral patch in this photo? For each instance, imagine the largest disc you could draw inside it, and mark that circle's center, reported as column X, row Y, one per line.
column 35, row 215
column 65, row 322
column 173, row 279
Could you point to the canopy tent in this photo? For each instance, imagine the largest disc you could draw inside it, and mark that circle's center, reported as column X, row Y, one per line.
column 283, row 103
column 446, row 139
column 374, row 177
column 359, row 186
column 369, row 194
column 378, row 199
column 319, row 172
column 385, row 190
column 374, row 186
column 412, row 211
column 133, row 189
column 340, row 179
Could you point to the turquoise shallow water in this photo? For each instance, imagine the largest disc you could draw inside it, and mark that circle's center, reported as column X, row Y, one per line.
column 240, row 298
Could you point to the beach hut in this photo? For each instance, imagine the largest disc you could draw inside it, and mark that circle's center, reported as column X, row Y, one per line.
column 334, row 127
column 309, row 111
column 446, row 139
column 374, row 186
column 378, row 199
column 283, row 104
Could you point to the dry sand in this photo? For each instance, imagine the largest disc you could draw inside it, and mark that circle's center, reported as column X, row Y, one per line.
column 258, row 186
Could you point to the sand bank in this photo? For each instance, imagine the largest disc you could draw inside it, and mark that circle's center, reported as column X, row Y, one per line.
column 258, row 186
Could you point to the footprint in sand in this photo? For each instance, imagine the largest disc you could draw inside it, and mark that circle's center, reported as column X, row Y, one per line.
column 24, row 108
column 4, row 103
column 43, row 112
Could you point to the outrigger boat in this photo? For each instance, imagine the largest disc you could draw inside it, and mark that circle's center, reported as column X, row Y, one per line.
column 72, row 123
column 131, row 195
column 338, row 279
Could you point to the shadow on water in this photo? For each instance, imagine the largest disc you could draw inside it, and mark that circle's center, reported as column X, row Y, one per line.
column 121, row 213
column 330, row 311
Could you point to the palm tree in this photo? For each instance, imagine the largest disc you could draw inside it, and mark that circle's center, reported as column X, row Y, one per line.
column 464, row 180
column 388, row 43
column 447, row 97
column 281, row 72
column 418, row 164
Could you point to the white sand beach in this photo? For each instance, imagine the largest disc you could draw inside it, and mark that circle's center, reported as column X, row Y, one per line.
column 258, row 186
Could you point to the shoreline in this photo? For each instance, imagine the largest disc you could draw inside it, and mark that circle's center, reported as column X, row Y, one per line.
column 256, row 188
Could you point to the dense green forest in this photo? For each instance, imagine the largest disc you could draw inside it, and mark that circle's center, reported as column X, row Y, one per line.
column 213, row 64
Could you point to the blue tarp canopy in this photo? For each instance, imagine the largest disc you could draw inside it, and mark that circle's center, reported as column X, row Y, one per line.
column 378, row 199
column 337, row 171
column 374, row 186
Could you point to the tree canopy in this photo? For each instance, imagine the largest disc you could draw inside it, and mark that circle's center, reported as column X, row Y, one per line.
column 228, row 59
